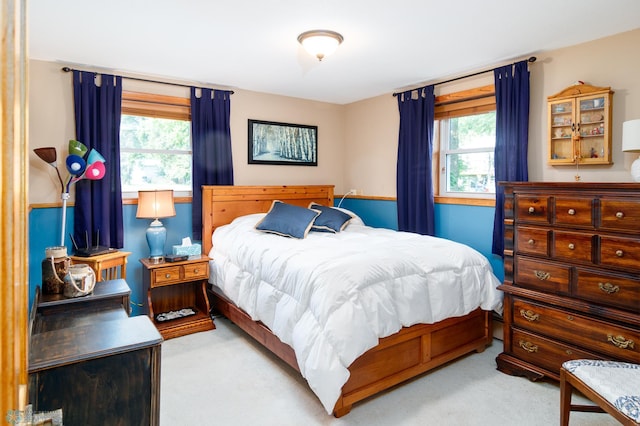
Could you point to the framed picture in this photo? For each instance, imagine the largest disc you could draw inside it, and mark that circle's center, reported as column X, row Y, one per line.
column 282, row 143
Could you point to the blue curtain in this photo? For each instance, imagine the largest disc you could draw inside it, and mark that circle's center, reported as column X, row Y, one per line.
column 98, row 206
column 211, row 139
column 415, row 149
column 512, row 137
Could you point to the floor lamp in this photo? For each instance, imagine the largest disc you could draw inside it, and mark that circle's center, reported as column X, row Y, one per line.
column 79, row 164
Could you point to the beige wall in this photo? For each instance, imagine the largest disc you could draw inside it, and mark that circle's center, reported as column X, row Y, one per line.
column 358, row 142
column 372, row 124
column 51, row 123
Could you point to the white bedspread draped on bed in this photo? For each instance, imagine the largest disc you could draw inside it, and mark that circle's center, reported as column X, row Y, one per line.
column 332, row 296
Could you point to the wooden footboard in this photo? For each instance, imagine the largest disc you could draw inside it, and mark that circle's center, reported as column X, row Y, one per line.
column 410, row 352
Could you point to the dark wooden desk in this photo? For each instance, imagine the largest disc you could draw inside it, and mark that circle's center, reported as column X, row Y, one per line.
column 88, row 357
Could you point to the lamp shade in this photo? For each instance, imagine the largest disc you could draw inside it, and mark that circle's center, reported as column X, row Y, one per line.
column 320, row 43
column 631, row 143
column 155, row 204
column 631, row 136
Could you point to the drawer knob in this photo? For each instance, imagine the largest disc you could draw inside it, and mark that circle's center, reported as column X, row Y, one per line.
column 619, row 215
column 619, row 253
column 531, row 242
column 621, row 342
column 195, row 271
column 542, row 275
column 571, row 212
column 167, row 275
column 570, row 317
column 608, row 288
column 532, row 210
column 528, row 346
column 571, row 246
column 529, row 315
column 569, row 352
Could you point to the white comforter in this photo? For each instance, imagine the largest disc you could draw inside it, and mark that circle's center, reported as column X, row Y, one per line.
column 332, row 296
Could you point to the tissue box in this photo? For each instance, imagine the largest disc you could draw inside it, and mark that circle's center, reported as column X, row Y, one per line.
column 192, row 250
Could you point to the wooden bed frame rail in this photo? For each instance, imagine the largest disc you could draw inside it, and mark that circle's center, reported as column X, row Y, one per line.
column 410, row 352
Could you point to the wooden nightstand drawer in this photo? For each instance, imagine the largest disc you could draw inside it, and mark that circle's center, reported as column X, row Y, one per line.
column 624, row 252
column 611, row 290
column 197, row 270
column 543, row 276
column 618, row 214
column 606, row 338
column 532, row 241
column 532, row 209
column 573, row 211
column 573, row 246
column 166, row 275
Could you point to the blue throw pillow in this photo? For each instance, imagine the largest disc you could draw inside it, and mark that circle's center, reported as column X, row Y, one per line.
column 287, row 220
column 330, row 219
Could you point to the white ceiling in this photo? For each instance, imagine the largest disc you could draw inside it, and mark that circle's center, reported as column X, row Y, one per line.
column 251, row 44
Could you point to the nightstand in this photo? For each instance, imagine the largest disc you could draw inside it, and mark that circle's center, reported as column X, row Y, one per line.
column 106, row 265
column 176, row 295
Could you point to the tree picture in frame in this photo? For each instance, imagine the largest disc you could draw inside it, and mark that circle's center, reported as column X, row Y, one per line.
column 282, row 143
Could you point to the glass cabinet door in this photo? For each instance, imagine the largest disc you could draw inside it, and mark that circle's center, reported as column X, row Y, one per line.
column 562, row 128
column 592, row 130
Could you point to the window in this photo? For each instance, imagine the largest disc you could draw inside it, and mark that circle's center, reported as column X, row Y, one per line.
column 155, row 143
column 465, row 138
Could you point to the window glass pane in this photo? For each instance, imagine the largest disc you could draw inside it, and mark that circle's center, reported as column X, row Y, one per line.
column 155, row 153
column 473, row 131
column 470, row 172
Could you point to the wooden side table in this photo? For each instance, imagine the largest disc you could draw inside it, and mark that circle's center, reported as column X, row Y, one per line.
column 108, row 266
column 174, row 288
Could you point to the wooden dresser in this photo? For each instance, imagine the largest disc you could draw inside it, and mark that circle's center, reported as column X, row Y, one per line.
column 572, row 275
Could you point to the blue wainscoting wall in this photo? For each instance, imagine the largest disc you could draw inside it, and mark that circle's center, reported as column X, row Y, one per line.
column 471, row 225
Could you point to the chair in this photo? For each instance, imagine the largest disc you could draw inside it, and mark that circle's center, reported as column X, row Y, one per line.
column 613, row 386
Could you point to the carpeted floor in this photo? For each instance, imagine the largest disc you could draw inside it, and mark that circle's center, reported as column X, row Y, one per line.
column 223, row 377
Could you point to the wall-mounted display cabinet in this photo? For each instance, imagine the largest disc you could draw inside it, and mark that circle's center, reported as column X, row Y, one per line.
column 579, row 125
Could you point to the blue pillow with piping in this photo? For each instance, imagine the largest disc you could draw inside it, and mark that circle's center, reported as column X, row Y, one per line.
column 330, row 219
column 287, row 220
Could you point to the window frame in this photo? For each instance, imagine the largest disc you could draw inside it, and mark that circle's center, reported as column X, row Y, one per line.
column 467, row 102
column 156, row 106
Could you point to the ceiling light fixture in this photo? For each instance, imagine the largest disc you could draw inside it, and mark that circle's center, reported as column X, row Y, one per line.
column 320, row 43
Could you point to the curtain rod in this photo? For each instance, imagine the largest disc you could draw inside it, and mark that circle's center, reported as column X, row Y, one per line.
column 530, row 60
column 67, row 69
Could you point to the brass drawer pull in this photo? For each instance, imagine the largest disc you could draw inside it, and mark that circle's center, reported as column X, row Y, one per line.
column 570, row 317
column 532, row 210
column 529, row 315
column 619, row 215
column 621, row 342
column 528, row 346
column 571, row 212
column 619, row 253
column 571, row 246
column 608, row 288
column 569, row 352
column 195, row 271
column 542, row 275
column 531, row 242
column 167, row 275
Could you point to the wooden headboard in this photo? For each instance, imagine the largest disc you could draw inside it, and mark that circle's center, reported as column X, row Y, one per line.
column 222, row 204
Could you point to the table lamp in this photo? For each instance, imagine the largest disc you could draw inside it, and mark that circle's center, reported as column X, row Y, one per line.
column 156, row 205
column 631, row 143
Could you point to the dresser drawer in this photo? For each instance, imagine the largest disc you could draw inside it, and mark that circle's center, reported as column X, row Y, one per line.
column 544, row 352
column 622, row 252
column 532, row 241
column 544, row 276
column 573, row 211
column 532, row 208
column 609, row 339
column 620, row 214
column 573, row 246
column 605, row 289
column 196, row 271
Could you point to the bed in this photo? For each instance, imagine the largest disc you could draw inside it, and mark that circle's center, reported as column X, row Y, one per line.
column 399, row 352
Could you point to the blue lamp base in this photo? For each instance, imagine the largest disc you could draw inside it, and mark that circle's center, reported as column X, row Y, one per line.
column 156, row 237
